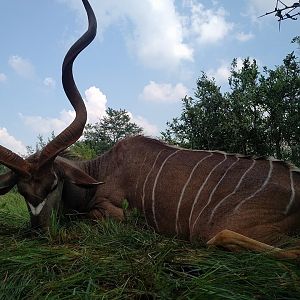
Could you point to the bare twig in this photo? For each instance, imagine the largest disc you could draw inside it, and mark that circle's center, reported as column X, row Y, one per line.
column 284, row 12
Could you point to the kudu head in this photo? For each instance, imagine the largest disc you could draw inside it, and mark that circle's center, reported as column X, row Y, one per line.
column 40, row 177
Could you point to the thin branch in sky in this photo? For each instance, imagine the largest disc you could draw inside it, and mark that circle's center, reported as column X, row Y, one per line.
column 284, row 12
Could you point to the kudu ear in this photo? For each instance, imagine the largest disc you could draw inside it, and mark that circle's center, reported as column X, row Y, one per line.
column 75, row 175
column 7, row 182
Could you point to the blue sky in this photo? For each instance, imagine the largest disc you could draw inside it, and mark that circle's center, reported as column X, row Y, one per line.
column 148, row 55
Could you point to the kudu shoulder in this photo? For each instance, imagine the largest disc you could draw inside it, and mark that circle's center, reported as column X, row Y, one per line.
column 73, row 174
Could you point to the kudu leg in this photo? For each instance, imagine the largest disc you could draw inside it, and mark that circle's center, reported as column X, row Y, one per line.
column 235, row 242
column 104, row 210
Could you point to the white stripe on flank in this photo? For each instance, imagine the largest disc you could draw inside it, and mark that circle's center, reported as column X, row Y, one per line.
column 217, row 185
column 36, row 210
column 184, row 188
column 234, row 191
column 292, row 198
column 144, row 185
column 154, row 186
column 259, row 190
column 200, row 190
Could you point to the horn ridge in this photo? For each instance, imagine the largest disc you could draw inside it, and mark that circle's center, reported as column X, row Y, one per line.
column 73, row 132
column 13, row 161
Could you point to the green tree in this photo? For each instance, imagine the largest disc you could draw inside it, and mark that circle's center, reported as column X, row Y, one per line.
column 40, row 144
column 81, row 151
column 281, row 95
column 259, row 115
column 201, row 124
column 296, row 40
column 102, row 135
column 245, row 116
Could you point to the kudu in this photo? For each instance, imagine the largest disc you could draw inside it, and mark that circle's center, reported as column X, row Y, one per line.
column 223, row 199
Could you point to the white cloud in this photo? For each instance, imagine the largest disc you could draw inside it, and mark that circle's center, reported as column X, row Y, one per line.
column 262, row 6
column 268, row 5
column 156, row 31
column 258, row 7
column 158, row 35
column 49, row 82
column 21, row 66
column 163, row 92
column 45, row 126
column 2, row 77
column 239, row 63
column 222, row 73
column 95, row 104
column 244, row 37
column 11, row 143
column 148, row 128
column 208, row 26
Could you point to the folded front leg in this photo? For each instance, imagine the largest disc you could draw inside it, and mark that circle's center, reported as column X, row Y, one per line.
column 104, row 210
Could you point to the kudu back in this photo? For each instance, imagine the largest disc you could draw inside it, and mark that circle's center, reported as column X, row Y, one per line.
column 219, row 198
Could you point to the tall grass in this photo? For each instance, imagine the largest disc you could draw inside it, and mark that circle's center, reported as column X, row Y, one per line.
column 111, row 260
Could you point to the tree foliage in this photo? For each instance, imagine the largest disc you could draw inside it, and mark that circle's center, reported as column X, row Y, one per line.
column 259, row 115
column 97, row 138
column 102, row 135
column 40, row 144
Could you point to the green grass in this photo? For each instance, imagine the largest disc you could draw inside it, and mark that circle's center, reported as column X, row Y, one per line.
column 111, row 260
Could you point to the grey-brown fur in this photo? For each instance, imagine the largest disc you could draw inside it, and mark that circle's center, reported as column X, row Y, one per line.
column 129, row 172
column 206, row 195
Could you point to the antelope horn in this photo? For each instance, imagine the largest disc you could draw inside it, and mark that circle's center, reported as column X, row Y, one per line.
column 14, row 161
column 73, row 132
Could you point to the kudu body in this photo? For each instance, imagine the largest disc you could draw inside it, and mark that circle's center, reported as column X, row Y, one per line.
column 222, row 199
column 195, row 194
